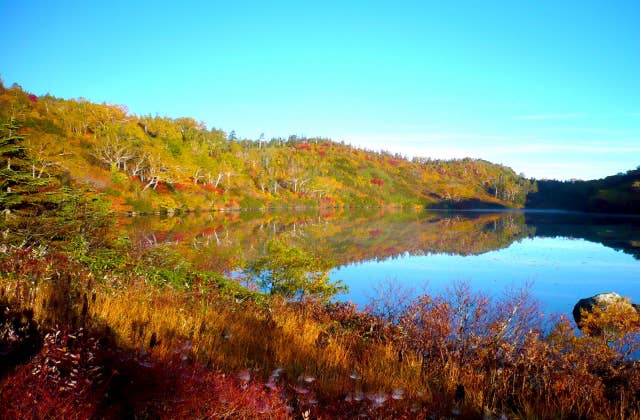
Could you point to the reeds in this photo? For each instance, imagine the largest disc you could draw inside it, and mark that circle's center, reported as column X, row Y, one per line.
column 458, row 354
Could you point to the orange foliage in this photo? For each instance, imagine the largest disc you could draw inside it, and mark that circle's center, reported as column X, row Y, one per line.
column 162, row 188
column 460, row 351
column 119, row 204
column 212, row 188
column 395, row 162
column 181, row 187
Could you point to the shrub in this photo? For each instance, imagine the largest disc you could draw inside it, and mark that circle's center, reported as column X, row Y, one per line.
column 289, row 271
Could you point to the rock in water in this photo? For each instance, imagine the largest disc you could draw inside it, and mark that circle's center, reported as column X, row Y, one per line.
column 602, row 300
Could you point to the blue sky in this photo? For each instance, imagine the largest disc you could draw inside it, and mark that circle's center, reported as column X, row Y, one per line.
column 550, row 88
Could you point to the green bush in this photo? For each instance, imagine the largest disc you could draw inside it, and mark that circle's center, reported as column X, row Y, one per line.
column 291, row 272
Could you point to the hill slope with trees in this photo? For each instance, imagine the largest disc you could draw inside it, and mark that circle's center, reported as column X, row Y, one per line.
column 614, row 194
column 92, row 327
column 150, row 164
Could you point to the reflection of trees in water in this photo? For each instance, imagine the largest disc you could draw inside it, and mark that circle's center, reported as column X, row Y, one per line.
column 441, row 233
column 616, row 232
column 226, row 241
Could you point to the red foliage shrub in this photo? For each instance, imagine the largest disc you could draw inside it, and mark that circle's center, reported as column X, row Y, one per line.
column 303, row 146
column 85, row 376
column 377, row 181
column 62, row 381
column 136, row 180
column 160, row 236
column 48, row 188
column 395, row 162
column 211, row 230
column 178, row 236
column 33, row 98
column 162, row 188
column 328, row 201
column 346, row 315
column 180, row 187
column 213, row 188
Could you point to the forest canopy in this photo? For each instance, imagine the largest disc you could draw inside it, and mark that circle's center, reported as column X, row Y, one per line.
column 147, row 164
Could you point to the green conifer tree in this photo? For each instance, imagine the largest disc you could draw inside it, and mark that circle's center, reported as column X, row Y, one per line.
column 20, row 188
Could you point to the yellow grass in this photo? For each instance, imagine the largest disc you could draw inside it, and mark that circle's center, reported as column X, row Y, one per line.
column 232, row 336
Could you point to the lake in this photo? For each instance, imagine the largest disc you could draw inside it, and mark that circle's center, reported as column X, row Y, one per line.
column 560, row 257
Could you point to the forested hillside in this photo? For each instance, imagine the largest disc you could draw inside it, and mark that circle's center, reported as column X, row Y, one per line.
column 96, row 323
column 614, row 194
column 150, row 164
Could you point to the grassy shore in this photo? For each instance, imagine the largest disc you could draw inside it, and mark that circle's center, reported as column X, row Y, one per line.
column 118, row 346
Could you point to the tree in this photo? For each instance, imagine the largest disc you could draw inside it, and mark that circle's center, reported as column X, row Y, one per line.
column 20, row 187
column 40, row 209
column 291, row 272
column 113, row 150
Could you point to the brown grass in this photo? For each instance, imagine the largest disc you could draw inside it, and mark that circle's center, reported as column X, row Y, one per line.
column 456, row 353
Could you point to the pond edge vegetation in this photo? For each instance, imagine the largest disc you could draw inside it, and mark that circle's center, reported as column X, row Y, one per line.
column 91, row 327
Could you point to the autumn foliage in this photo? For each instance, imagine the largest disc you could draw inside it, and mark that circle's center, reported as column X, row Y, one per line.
column 97, row 323
column 154, row 164
column 142, row 350
column 377, row 181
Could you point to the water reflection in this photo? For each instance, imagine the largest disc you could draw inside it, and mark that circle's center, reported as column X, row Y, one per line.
column 621, row 233
column 354, row 236
column 569, row 255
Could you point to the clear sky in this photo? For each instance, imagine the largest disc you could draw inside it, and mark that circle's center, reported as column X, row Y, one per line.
column 550, row 88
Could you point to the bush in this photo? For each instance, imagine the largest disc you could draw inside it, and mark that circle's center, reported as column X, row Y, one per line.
column 289, row 271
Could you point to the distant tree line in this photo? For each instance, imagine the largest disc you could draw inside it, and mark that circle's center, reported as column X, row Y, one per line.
column 614, row 194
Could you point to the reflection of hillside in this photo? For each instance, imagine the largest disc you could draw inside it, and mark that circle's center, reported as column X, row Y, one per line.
column 223, row 241
column 617, row 232
column 386, row 237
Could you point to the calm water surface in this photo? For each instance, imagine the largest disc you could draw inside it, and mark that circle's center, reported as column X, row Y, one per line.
column 561, row 257
column 558, row 271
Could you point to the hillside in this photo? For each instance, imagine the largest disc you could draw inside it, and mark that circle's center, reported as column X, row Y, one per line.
column 156, row 164
column 96, row 323
column 614, row 194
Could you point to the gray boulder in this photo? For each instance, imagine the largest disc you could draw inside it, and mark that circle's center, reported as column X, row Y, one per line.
column 602, row 300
